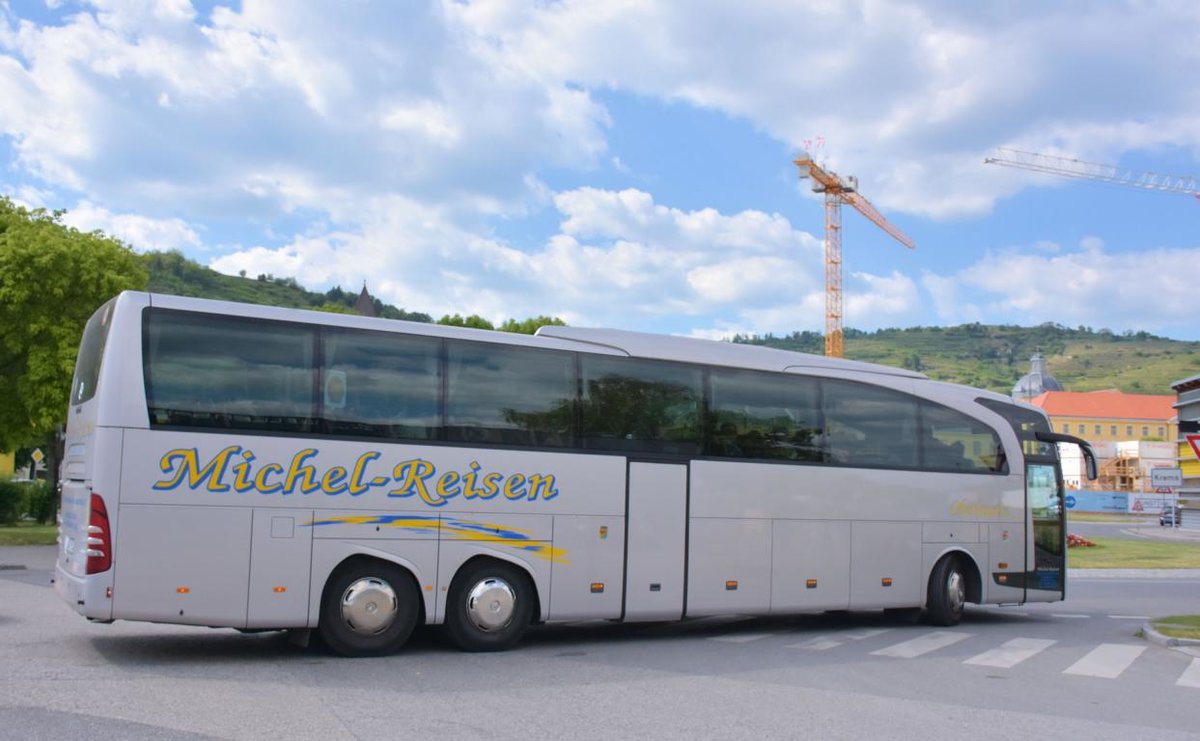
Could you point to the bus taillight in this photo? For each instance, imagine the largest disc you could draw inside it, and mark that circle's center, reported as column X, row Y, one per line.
column 99, row 541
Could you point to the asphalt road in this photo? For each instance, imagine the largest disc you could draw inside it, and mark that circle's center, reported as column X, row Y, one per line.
column 1036, row 671
column 1134, row 529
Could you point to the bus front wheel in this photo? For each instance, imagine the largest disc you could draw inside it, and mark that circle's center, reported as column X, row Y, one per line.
column 490, row 606
column 369, row 608
column 947, row 592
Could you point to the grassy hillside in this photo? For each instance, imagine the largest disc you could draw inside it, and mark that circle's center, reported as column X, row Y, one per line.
column 171, row 272
column 995, row 357
column 992, row 357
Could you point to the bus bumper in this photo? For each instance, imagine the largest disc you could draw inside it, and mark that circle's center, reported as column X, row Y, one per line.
column 90, row 596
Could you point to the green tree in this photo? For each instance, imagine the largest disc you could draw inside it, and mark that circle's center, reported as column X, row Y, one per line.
column 52, row 278
column 530, row 325
column 474, row 320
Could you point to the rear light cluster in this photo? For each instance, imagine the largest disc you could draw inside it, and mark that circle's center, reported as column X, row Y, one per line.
column 99, row 542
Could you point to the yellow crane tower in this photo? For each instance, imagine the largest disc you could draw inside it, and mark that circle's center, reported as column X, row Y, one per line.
column 1074, row 168
column 839, row 190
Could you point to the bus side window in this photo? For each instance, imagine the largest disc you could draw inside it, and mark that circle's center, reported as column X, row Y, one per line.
column 952, row 441
column 640, row 405
column 870, row 426
column 379, row 384
column 764, row 416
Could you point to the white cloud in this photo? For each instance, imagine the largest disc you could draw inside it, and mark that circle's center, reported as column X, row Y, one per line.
column 140, row 232
column 429, row 147
column 1150, row 290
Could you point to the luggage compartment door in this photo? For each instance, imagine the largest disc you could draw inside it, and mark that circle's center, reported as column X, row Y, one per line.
column 656, row 523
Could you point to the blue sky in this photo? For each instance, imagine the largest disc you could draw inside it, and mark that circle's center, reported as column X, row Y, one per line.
column 626, row 163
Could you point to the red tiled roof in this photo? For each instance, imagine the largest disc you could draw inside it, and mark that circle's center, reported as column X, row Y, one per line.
column 1111, row 404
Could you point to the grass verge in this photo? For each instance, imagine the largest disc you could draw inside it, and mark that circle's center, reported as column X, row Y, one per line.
column 1179, row 626
column 1073, row 516
column 1118, row 553
column 27, row 533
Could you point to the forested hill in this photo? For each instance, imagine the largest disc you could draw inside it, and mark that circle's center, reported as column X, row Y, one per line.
column 171, row 272
column 995, row 357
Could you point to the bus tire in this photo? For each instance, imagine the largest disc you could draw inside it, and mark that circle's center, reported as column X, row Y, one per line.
column 369, row 608
column 947, row 592
column 489, row 607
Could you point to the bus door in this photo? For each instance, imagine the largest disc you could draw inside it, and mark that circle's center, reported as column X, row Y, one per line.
column 1044, row 495
column 656, row 540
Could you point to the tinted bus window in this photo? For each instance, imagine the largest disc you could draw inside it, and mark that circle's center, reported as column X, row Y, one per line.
column 870, row 426
column 211, row 371
column 641, row 406
column 380, row 384
column 509, row 395
column 952, row 441
column 764, row 416
column 91, row 352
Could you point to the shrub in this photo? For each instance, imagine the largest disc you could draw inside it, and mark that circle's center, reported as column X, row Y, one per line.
column 41, row 502
column 12, row 496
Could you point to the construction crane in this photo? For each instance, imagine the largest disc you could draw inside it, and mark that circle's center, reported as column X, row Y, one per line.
column 839, row 190
column 1073, row 168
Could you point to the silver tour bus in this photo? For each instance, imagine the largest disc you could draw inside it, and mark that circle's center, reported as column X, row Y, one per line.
column 256, row 468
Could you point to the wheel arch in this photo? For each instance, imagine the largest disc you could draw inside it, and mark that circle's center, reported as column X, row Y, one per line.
column 330, row 555
column 361, row 557
column 538, row 615
column 970, row 568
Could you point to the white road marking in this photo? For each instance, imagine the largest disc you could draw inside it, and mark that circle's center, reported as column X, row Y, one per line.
column 742, row 637
column 861, row 633
column 824, row 643
column 1107, row 660
column 1011, row 653
column 1068, row 615
column 1191, row 675
column 922, row 644
column 820, row 643
column 1130, row 617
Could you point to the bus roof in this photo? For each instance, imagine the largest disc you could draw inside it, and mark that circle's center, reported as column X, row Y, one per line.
column 694, row 350
column 604, row 341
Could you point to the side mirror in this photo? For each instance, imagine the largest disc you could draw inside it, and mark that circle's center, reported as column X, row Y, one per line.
column 1089, row 455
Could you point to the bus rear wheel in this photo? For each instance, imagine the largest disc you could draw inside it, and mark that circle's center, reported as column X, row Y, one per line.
column 947, row 592
column 369, row 608
column 490, row 606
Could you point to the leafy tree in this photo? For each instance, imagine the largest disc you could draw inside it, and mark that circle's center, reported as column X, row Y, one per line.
column 530, row 325
column 52, row 278
column 458, row 320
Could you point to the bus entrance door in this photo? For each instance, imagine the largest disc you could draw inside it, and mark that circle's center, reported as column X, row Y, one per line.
column 656, row 527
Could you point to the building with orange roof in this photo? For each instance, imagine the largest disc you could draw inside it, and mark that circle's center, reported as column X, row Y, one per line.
column 1130, row 433
column 1110, row 416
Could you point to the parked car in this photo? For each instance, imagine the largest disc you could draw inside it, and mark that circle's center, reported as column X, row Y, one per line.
column 1169, row 516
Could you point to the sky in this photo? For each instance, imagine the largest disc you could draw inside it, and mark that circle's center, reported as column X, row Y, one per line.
column 627, row 163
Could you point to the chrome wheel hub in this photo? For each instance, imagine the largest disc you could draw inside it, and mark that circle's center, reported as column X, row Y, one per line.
column 956, row 591
column 490, row 604
column 369, row 606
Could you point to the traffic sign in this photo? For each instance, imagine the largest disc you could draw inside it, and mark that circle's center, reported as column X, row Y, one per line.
column 37, row 455
column 1194, row 441
column 1160, row 477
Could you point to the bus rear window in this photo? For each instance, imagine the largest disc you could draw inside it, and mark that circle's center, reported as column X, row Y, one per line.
column 91, row 352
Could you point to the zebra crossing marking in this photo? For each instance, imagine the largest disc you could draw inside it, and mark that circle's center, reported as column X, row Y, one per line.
column 1011, row 653
column 1106, row 661
column 826, row 642
column 922, row 644
column 742, row 637
column 1191, row 675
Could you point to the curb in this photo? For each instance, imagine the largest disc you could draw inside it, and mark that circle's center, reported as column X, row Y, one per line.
column 1155, row 637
